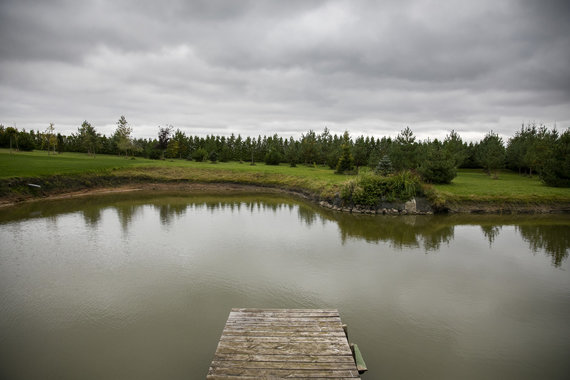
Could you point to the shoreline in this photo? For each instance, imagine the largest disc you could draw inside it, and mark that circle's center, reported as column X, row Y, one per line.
column 404, row 208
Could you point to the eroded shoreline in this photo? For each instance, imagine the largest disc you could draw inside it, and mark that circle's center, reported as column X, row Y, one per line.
column 403, row 208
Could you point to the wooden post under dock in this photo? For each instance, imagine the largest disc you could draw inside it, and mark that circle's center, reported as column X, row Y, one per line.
column 283, row 343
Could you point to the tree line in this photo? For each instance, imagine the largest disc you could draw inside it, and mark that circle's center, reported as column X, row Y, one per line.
column 534, row 149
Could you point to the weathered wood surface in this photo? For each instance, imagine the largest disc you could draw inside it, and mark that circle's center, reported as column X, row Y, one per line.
column 283, row 343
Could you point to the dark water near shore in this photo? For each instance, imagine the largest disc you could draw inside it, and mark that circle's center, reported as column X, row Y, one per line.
column 138, row 286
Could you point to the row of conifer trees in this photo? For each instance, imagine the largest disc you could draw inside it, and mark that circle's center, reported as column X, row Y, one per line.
column 534, row 149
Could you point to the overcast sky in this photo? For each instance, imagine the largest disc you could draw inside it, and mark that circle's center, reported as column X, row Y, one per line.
column 265, row 67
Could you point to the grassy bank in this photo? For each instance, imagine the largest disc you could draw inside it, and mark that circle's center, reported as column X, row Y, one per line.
column 71, row 170
column 75, row 171
column 473, row 185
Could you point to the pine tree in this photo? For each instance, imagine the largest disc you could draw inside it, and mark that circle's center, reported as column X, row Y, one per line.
column 384, row 166
column 346, row 161
column 123, row 135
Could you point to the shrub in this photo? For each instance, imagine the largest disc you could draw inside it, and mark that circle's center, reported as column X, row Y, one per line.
column 346, row 161
column 332, row 158
column 25, row 142
column 213, row 157
column 154, row 154
column 384, row 166
column 370, row 189
column 491, row 153
column 555, row 170
column 272, row 157
column 200, row 155
column 438, row 167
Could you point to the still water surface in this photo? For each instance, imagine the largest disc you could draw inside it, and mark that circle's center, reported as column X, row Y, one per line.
column 138, row 286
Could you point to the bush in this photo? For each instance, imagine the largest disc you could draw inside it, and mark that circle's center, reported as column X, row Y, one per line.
column 384, row 166
column 213, row 157
column 346, row 161
column 438, row 167
column 272, row 157
column 155, row 154
column 200, row 155
column 25, row 142
column 371, row 189
column 332, row 158
column 555, row 171
column 491, row 153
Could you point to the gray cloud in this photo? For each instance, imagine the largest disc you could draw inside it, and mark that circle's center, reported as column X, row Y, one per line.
column 260, row 67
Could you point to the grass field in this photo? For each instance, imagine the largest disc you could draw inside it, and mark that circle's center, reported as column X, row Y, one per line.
column 320, row 179
column 469, row 185
column 475, row 185
column 38, row 163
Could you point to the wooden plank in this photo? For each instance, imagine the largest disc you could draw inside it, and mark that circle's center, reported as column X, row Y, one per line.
column 285, row 310
column 281, row 364
column 275, row 314
column 282, row 320
column 360, row 364
column 284, row 348
column 283, row 333
column 286, row 358
column 284, row 339
column 225, row 377
column 284, row 373
column 283, row 327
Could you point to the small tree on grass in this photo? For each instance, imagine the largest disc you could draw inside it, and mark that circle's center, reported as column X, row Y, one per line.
column 454, row 145
column 491, row 153
column 346, row 161
column 50, row 138
column 555, row 170
column 292, row 153
column 123, row 136
column 384, row 166
column 213, row 156
column 272, row 157
column 164, row 138
column 200, row 155
column 13, row 136
column 25, row 141
column 439, row 165
column 89, row 138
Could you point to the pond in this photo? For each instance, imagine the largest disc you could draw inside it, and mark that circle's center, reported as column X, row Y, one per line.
column 139, row 285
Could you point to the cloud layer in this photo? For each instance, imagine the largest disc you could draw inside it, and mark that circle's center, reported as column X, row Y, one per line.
column 260, row 67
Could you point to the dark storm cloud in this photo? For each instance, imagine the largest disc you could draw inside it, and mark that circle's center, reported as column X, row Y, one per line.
column 286, row 66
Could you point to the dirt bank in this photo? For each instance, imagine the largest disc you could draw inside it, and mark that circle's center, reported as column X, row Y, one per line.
column 190, row 188
column 18, row 190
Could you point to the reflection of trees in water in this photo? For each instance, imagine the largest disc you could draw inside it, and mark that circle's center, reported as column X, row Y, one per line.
column 307, row 215
column 400, row 231
column 490, row 232
column 553, row 239
column 550, row 233
column 168, row 211
column 125, row 213
column 92, row 216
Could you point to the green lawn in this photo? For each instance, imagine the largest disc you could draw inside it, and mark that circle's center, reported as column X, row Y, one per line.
column 318, row 179
column 469, row 185
column 38, row 163
column 475, row 185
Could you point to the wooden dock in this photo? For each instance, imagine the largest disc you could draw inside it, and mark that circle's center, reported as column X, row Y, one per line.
column 283, row 343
